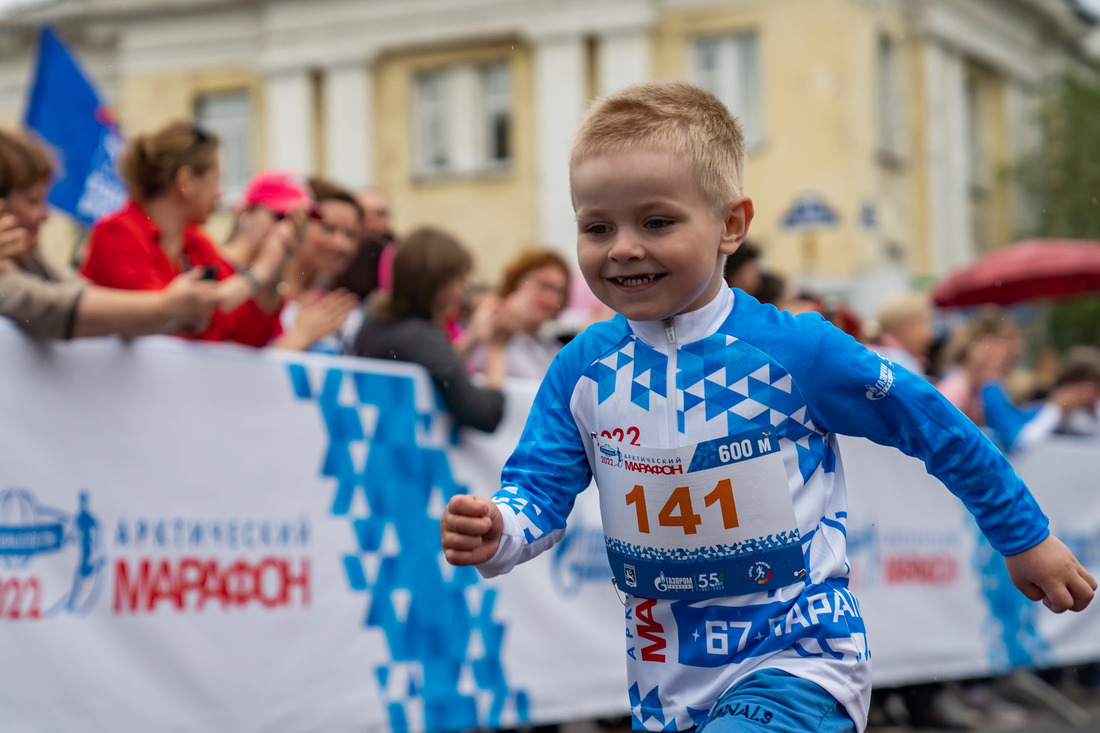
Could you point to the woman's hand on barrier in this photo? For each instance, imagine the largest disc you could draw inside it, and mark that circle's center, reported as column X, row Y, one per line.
column 470, row 530
column 1050, row 573
column 189, row 301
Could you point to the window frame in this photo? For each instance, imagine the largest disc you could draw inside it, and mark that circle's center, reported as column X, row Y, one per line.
column 735, row 77
column 236, row 134
column 453, row 129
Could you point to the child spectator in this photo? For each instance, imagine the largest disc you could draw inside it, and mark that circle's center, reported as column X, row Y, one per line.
column 48, row 300
column 710, row 423
column 173, row 177
column 906, row 331
column 430, row 269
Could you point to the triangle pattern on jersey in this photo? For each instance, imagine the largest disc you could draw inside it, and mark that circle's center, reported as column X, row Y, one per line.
column 646, row 359
column 689, row 368
column 719, row 399
column 652, row 701
column 748, row 408
column 639, row 395
column 807, row 461
column 697, row 715
column 710, row 366
column 605, row 380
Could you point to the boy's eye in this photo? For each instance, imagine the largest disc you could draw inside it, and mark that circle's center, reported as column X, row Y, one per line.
column 657, row 223
column 597, row 229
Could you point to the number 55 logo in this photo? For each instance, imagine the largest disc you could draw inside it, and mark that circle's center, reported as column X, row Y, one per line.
column 710, row 581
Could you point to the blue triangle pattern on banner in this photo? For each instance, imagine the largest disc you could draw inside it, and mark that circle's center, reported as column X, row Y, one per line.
column 431, row 629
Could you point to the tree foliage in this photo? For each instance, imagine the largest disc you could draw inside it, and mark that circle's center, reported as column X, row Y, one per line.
column 1063, row 180
column 1064, row 176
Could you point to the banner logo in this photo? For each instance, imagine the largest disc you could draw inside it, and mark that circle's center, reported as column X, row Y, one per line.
column 580, row 557
column 44, row 550
column 761, row 572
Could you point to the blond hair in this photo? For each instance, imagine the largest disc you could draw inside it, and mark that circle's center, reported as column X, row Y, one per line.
column 902, row 308
column 673, row 116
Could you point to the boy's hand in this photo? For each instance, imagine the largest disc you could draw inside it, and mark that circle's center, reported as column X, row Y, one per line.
column 1050, row 573
column 470, row 530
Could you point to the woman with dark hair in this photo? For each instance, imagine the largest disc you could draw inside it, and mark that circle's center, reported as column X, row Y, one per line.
column 173, row 177
column 430, row 269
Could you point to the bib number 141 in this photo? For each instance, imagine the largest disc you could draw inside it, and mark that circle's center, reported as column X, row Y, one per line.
column 678, row 510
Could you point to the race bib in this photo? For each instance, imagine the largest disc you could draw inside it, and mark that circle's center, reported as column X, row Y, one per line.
column 701, row 521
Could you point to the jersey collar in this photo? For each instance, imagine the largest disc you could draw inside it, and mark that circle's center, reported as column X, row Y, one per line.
column 688, row 327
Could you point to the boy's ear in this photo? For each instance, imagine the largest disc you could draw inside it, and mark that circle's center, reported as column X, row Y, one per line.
column 737, row 224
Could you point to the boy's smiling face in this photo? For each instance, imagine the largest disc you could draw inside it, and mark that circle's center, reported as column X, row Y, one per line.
column 649, row 242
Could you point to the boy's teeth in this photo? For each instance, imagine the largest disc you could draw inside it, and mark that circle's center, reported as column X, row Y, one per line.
column 635, row 280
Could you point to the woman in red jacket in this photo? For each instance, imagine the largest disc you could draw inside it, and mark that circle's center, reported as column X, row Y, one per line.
column 173, row 177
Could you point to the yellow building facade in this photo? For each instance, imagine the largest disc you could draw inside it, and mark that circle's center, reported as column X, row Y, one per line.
column 881, row 132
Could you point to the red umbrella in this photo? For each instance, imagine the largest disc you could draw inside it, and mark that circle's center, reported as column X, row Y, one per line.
column 1028, row 270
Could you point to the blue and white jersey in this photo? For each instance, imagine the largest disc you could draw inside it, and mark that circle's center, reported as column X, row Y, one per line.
column 686, row 425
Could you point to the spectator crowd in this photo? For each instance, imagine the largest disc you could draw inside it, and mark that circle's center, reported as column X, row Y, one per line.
column 312, row 265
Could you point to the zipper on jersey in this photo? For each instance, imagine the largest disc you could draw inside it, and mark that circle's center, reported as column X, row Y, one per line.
column 670, row 382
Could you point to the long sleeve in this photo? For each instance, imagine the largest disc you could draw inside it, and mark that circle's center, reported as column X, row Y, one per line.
column 43, row 307
column 853, row 391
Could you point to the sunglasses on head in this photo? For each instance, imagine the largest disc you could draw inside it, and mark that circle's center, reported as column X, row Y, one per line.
column 312, row 213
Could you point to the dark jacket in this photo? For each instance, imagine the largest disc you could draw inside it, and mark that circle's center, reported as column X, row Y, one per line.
column 420, row 341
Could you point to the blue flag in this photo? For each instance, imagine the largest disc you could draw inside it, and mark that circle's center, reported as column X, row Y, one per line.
column 66, row 112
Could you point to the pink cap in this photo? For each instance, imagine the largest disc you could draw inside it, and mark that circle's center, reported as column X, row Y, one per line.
column 279, row 191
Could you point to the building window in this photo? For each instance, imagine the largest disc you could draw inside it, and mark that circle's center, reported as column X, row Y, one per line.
column 496, row 103
column 975, row 143
column 729, row 66
column 229, row 116
column 463, row 119
column 888, row 99
column 431, row 122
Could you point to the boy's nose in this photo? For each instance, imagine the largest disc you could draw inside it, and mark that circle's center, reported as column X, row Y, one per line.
column 626, row 247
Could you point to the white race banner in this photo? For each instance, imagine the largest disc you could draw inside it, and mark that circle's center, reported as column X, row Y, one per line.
column 209, row 537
